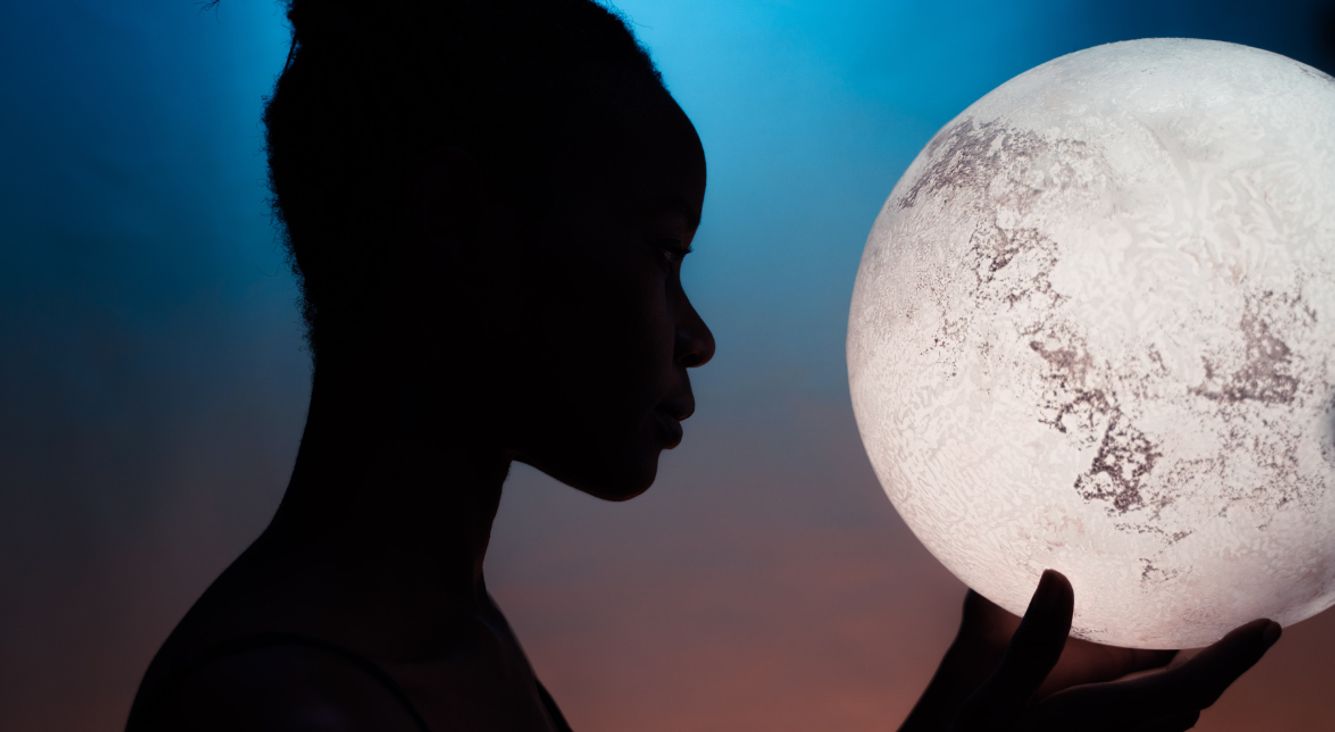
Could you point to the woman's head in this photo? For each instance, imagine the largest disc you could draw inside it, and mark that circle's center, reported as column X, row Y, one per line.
column 483, row 201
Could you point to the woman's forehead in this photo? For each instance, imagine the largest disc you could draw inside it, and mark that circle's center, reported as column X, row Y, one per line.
column 639, row 152
column 659, row 153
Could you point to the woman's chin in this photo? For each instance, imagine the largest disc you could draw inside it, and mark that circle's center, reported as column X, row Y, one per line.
column 624, row 484
column 610, row 480
column 616, row 493
column 616, row 472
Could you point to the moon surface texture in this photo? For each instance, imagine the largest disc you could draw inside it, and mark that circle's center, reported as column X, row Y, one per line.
column 1094, row 330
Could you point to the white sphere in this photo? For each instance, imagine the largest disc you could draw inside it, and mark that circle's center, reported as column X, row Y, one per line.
column 1093, row 330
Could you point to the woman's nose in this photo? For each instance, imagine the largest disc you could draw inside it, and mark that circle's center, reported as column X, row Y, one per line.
column 695, row 342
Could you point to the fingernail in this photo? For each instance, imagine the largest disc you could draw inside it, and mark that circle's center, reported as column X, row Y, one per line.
column 1051, row 580
column 1271, row 633
column 1044, row 587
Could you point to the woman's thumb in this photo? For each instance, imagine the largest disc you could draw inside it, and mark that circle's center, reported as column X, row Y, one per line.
column 1032, row 653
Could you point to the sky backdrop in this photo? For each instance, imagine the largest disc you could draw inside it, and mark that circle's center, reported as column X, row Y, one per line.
column 153, row 380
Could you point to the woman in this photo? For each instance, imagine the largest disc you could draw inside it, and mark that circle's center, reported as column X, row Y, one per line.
column 488, row 205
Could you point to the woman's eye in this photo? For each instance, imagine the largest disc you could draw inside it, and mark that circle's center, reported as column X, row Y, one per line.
column 673, row 250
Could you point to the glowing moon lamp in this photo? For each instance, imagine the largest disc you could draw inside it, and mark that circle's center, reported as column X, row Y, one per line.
column 1094, row 329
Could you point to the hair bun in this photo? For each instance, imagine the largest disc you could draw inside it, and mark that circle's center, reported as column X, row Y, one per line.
column 319, row 21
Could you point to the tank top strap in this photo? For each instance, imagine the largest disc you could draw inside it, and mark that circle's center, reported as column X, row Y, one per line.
column 553, row 711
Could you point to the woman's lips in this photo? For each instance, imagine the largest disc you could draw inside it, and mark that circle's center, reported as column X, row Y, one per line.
column 669, row 427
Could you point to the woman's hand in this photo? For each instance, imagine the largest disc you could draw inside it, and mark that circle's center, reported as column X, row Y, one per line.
column 1004, row 673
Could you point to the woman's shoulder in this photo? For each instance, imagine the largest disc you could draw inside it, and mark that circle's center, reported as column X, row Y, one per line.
column 259, row 652
column 274, row 682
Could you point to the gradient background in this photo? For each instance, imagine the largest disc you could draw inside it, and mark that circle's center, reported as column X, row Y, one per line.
column 153, row 381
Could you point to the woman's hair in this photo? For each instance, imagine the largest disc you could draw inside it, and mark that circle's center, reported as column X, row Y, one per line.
column 372, row 88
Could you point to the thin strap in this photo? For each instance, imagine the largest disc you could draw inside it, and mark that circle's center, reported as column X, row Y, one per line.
column 558, row 719
column 270, row 639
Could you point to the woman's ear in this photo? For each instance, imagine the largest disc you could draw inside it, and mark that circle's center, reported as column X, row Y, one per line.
column 449, row 200
column 472, row 249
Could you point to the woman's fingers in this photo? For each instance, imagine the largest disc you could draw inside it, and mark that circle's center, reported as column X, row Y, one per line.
column 1167, row 701
column 1083, row 662
column 1167, row 697
column 1200, row 681
column 1033, row 651
column 1040, row 638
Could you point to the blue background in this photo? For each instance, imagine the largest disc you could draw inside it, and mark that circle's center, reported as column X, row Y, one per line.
column 153, row 378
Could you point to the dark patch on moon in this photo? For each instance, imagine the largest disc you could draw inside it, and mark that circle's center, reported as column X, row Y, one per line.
column 968, row 155
column 1066, row 401
column 1012, row 266
column 1149, row 572
column 1119, row 471
column 1244, row 388
column 1264, row 374
column 1008, row 266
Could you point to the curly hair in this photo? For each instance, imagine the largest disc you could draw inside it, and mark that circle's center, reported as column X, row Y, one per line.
column 370, row 89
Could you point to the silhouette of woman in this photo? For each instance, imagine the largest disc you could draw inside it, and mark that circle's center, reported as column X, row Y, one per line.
column 487, row 205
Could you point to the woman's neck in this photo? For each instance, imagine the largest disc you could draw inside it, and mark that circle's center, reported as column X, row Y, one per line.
column 388, row 481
